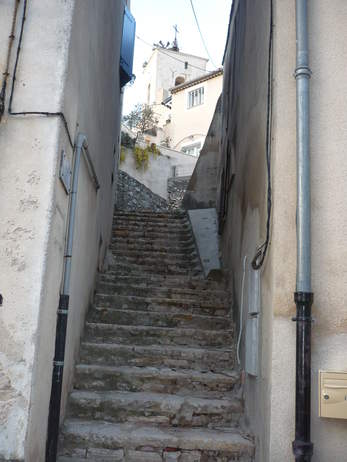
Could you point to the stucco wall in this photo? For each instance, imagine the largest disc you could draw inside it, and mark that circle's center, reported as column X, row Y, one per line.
column 270, row 397
column 202, row 187
column 69, row 61
column 327, row 36
column 244, row 108
column 160, row 169
column 190, row 125
column 162, row 69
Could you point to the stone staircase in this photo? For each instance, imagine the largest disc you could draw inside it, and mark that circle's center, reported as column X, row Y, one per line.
column 156, row 380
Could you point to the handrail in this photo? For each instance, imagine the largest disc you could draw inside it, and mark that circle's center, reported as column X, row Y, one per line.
column 82, row 143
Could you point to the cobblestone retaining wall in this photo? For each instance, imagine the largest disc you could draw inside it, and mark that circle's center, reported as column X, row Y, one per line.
column 177, row 187
column 133, row 195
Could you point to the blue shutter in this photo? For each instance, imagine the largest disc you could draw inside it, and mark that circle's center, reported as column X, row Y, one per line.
column 127, row 48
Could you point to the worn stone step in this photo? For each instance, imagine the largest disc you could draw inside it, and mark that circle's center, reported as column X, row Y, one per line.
column 177, row 255
column 175, row 305
column 148, row 224
column 164, row 259
column 156, row 244
column 168, row 270
column 173, row 236
column 224, row 443
column 177, row 293
column 158, row 408
column 157, row 280
column 153, row 248
column 182, row 382
column 145, row 335
column 150, row 214
column 202, row 359
column 129, row 317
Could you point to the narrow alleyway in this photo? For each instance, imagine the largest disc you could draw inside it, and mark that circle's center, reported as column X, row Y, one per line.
column 156, row 379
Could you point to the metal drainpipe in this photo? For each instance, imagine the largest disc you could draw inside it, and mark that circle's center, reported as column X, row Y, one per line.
column 302, row 446
column 62, row 314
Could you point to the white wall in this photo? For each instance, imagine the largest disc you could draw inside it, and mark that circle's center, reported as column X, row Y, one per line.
column 162, row 69
column 160, row 169
column 66, row 45
column 190, row 125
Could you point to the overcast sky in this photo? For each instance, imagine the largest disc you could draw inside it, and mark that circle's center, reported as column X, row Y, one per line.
column 155, row 20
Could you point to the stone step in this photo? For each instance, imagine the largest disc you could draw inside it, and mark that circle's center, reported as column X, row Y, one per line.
column 153, row 408
column 143, row 215
column 167, row 270
column 159, row 225
column 181, row 382
column 213, row 445
column 145, row 335
column 156, row 280
column 161, row 304
column 175, row 236
column 112, row 288
column 129, row 317
column 164, row 259
column 157, row 244
column 202, row 359
column 161, row 242
column 177, row 254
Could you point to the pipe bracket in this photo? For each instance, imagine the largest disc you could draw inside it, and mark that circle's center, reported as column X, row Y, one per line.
column 302, row 449
column 303, row 71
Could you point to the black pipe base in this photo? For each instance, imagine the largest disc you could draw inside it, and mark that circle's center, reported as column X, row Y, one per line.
column 302, row 446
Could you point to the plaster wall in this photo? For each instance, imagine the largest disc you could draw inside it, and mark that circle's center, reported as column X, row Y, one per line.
column 202, row 187
column 160, row 169
column 327, row 36
column 190, row 125
column 270, row 397
column 163, row 67
column 65, row 44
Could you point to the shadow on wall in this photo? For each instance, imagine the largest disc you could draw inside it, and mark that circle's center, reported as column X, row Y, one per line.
column 202, row 189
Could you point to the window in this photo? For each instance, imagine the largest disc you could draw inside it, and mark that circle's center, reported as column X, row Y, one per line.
column 196, row 97
column 179, row 80
column 192, row 149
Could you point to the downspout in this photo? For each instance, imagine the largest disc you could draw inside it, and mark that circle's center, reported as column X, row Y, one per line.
column 302, row 446
column 62, row 314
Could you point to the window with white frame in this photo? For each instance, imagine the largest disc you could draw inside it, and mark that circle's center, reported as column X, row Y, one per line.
column 196, row 97
column 192, row 149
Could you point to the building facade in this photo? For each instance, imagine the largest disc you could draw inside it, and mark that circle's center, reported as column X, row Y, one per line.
column 67, row 60
column 258, row 150
column 192, row 107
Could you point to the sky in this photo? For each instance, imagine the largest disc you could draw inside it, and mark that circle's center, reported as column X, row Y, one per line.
column 155, row 20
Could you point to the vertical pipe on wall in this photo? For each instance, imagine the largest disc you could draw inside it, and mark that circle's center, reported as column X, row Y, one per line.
column 62, row 314
column 302, row 446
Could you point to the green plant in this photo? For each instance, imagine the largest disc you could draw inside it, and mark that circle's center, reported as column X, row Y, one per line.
column 142, row 155
column 122, row 155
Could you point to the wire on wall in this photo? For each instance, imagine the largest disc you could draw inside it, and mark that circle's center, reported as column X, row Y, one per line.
column 7, row 62
column 28, row 113
column 260, row 255
column 202, row 37
column 161, row 50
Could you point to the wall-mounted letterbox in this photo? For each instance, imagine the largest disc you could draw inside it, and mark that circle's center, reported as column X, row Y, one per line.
column 333, row 394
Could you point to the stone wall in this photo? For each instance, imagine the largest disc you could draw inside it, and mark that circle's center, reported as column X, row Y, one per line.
column 133, row 195
column 176, row 189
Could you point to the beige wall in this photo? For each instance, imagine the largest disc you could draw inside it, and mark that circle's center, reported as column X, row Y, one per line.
column 60, row 41
column 163, row 67
column 270, row 397
column 327, row 36
column 190, row 125
column 160, row 169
